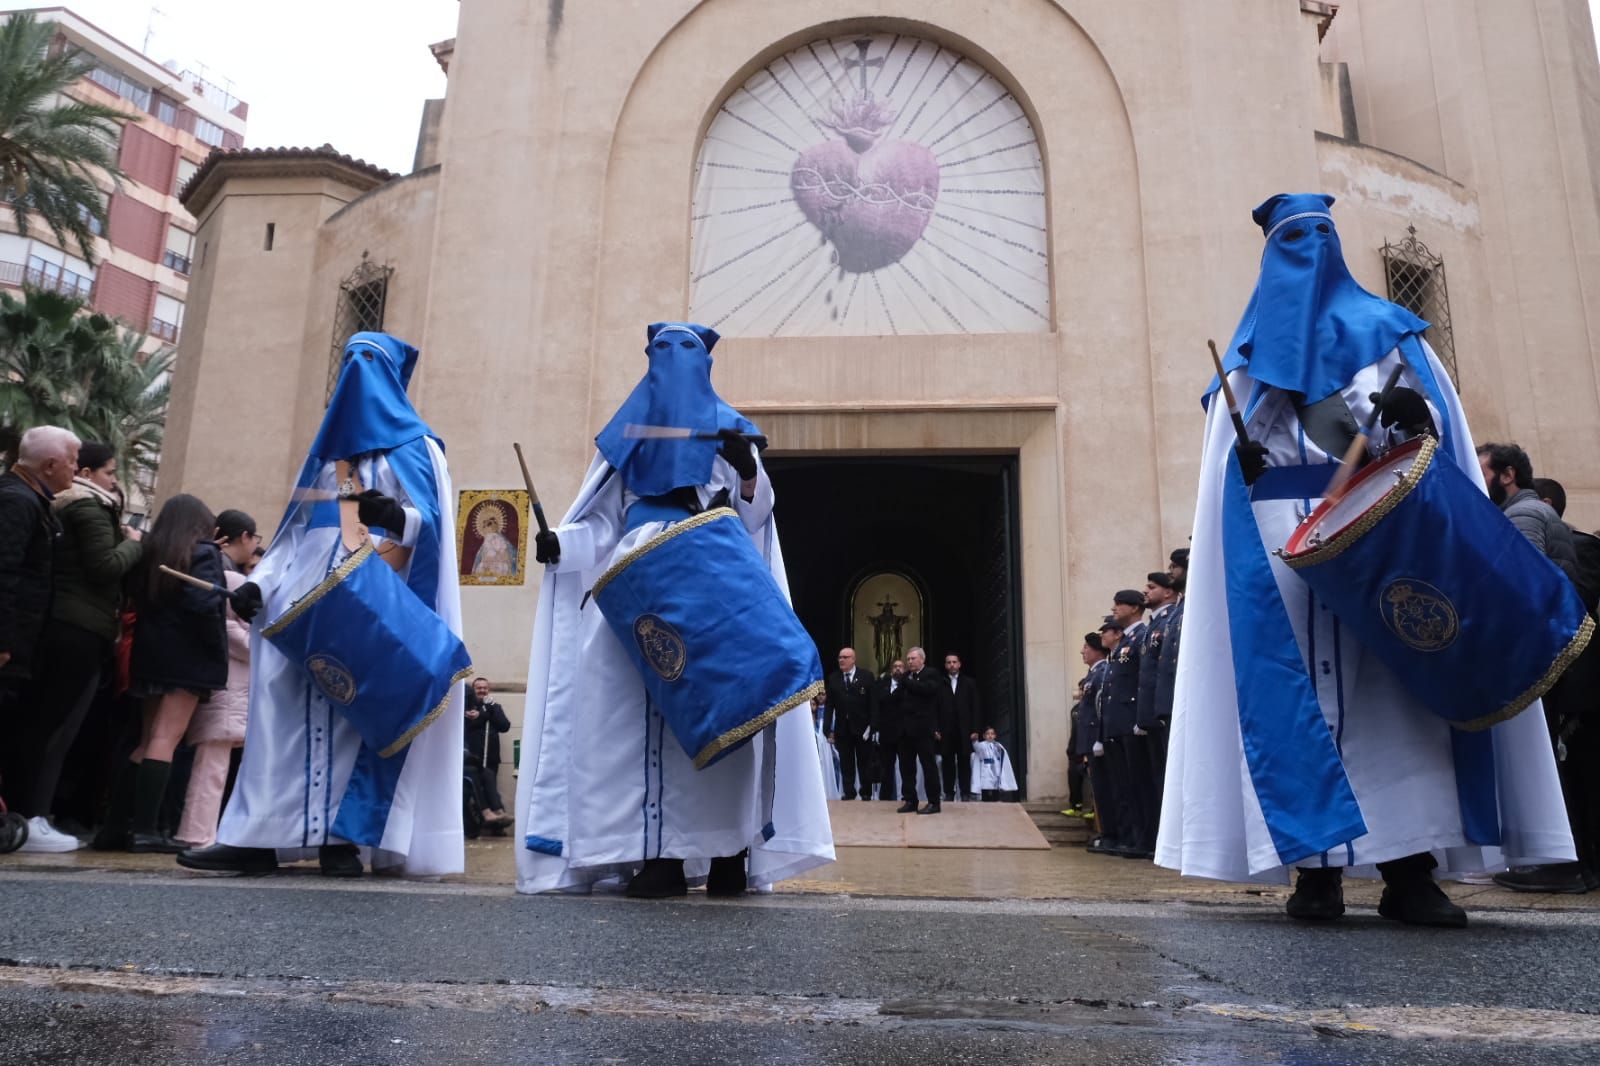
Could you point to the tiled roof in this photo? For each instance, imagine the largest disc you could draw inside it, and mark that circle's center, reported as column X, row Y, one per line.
column 201, row 187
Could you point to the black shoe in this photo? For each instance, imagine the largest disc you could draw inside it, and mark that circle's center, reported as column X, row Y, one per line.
column 1562, row 877
column 1418, row 900
column 1136, row 852
column 110, row 838
column 1318, row 895
column 866, row 796
column 152, row 844
column 931, row 808
column 909, row 807
column 659, row 879
column 225, row 858
column 727, row 877
column 1100, row 846
column 969, row 797
column 339, row 860
column 951, row 796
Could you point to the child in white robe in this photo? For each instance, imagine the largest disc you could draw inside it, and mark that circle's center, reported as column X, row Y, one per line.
column 992, row 776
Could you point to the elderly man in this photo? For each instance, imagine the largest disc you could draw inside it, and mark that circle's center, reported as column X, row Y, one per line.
column 47, row 460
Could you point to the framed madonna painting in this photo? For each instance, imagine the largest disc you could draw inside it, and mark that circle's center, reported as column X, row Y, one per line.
column 492, row 536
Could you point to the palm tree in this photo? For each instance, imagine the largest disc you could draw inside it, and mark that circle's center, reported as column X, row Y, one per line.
column 50, row 144
column 84, row 373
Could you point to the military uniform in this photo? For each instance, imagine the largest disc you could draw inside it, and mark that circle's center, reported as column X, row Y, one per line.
column 1131, row 826
column 1150, row 717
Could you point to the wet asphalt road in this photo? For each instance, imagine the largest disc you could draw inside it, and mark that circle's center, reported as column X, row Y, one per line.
column 118, row 968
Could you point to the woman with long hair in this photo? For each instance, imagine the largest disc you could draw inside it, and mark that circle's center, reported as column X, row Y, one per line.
column 180, row 657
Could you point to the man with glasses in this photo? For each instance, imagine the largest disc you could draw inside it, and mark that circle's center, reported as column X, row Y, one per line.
column 848, row 723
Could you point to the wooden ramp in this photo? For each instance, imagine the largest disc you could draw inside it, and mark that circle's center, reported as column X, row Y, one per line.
column 875, row 824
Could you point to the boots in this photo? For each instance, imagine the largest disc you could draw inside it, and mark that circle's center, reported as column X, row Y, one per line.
column 659, row 879
column 149, row 786
column 339, row 860
column 1411, row 895
column 1318, row 895
column 113, row 835
column 727, row 877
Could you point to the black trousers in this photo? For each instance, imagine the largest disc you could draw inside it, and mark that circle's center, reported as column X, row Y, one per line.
column 1076, row 772
column 888, row 752
column 1155, row 747
column 914, row 748
column 488, row 786
column 66, row 673
column 1128, row 772
column 1141, row 791
column 855, row 760
column 1102, row 782
column 957, row 764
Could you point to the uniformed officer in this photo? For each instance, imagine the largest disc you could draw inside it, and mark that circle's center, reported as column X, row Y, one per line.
column 1160, row 595
column 1124, row 748
column 1086, row 728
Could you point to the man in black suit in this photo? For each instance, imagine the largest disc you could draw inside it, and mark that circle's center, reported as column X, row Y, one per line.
column 960, row 719
column 848, row 722
column 921, row 692
column 886, row 725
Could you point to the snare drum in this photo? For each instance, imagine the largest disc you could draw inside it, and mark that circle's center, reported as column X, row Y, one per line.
column 1435, row 581
column 719, row 648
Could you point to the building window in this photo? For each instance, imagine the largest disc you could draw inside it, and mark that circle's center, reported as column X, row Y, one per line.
column 57, row 278
column 209, row 132
column 122, row 85
column 167, row 322
column 1415, row 278
column 96, row 227
column 164, row 110
column 363, row 296
column 180, row 249
column 186, row 171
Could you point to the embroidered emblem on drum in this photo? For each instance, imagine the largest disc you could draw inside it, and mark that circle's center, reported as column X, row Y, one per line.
column 333, row 678
column 661, row 646
column 1420, row 615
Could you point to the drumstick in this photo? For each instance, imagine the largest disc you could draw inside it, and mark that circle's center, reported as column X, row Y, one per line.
column 1227, row 395
column 527, row 479
column 190, row 579
column 1358, row 447
column 638, row 431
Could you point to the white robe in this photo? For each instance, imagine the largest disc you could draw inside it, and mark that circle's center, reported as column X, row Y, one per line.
column 299, row 751
column 1396, row 754
column 828, row 764
column 603, row 781
column 991, row 768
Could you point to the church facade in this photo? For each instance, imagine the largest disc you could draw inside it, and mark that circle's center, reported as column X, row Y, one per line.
column 964, row 259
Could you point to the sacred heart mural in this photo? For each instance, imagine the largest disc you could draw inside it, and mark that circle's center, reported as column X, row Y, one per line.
column 866, row 185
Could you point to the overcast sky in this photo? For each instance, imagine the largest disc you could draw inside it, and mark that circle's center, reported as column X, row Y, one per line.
column 351, row 73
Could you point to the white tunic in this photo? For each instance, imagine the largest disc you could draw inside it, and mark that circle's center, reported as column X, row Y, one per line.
column 1396, row 754
column 299, row 751
column 604, row 783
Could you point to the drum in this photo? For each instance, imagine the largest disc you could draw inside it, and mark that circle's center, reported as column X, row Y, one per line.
column 383, row 658
column 719, row 648
column 1473, row 619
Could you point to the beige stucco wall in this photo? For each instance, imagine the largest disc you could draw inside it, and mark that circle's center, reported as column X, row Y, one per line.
column 557, row 225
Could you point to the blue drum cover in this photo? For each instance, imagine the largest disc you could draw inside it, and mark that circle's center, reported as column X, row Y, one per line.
column 381, row 656
column 703, row 620
column 1473, row 619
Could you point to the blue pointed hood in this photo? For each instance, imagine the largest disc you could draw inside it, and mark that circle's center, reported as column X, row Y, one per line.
column 1309, row 327
column 675, row 391
column 369, row 410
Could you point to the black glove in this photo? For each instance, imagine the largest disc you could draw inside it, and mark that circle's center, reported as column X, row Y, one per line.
column 1404, row 408
column 1252, row 459
column 384, row 512
column 246, row 600
column 547, row 546
column 736, row 449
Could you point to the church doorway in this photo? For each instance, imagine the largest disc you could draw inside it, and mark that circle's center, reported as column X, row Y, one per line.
column 884, row 553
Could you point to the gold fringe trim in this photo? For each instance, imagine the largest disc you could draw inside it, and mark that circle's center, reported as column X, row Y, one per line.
column 1340, row 541
column 1568, row 656
column 755, row 725
column 659, row 539
column 303, row 604
column 411, row 734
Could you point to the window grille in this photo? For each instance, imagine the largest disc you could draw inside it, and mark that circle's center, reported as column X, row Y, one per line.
column 362, row 296
column 1415, row 277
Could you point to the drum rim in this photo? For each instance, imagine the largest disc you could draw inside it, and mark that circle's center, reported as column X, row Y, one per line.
column 323, row 587
column 1339, row 542
column 1558, row 666
column 674, row 530
column 426, row 720
column 740, row 733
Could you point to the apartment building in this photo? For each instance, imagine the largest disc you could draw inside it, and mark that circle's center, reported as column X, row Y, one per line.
column 173, row 119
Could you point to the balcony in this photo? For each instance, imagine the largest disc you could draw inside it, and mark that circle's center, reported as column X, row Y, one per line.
column 16, row 275
column 167, row 331
column 179, row 263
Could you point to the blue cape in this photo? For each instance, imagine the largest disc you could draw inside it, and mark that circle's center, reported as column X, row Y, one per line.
column 370, row 412
column 676, row 391
column 1309, row 328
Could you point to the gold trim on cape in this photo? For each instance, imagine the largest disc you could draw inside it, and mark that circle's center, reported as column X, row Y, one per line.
column 304, row 603
column 1336, row 544
column 659, row 539
column 755, row 725
column 411, row 734
column 1568, row 656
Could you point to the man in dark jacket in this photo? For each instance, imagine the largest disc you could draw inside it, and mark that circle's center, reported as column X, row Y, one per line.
column 1161, row 594
column 1124, row 743
column 848, row 722
column 919, row 733
column 486, row 720
column 886, row 726
column 1508, row 473
column 960, row 719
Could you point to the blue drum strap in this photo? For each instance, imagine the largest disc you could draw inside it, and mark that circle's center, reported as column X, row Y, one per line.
column 1306, row 799
column 1473, row 752
column 364, row 807
column 1298, row 481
